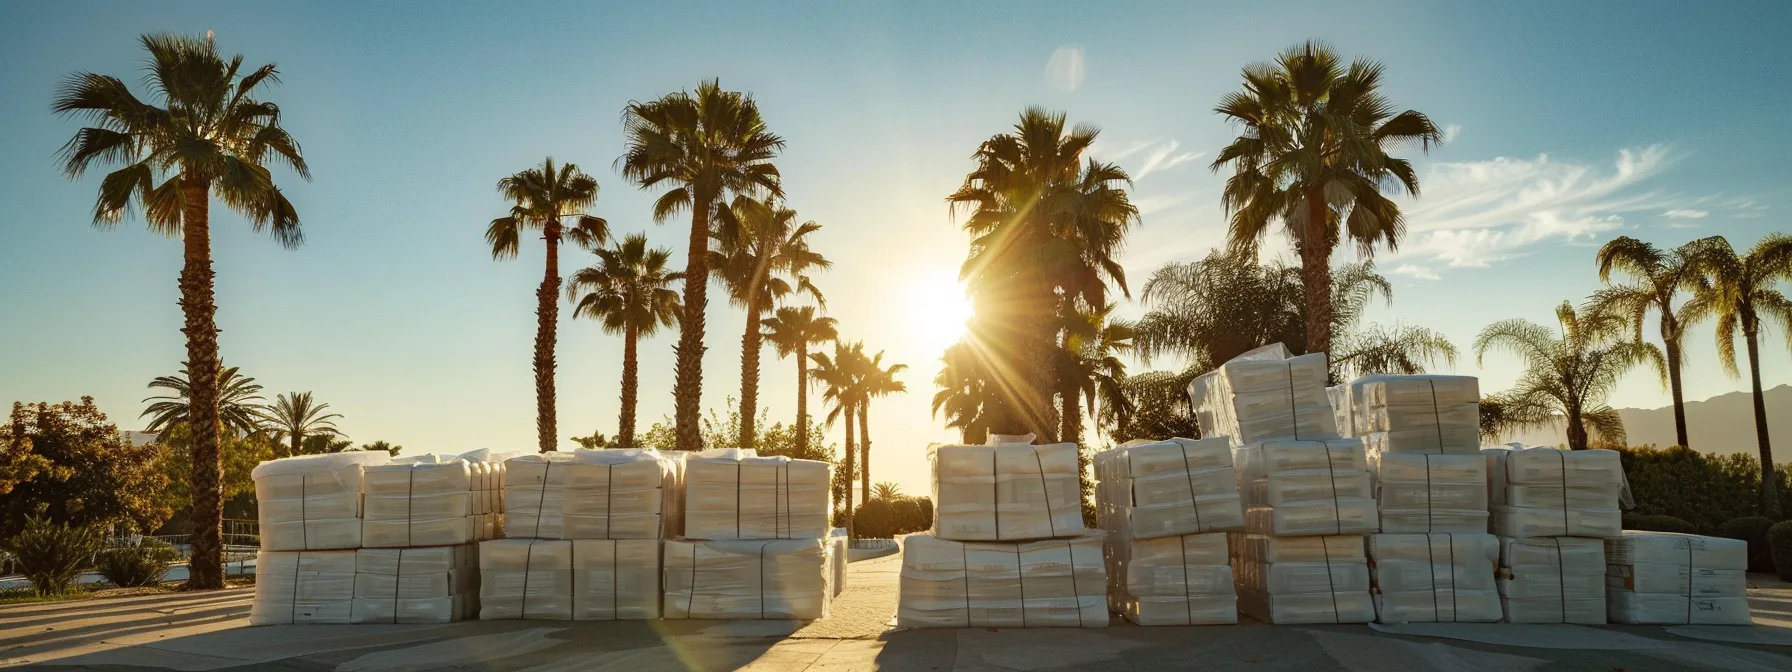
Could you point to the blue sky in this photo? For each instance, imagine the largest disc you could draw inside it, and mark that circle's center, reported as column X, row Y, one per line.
column 1570, row 123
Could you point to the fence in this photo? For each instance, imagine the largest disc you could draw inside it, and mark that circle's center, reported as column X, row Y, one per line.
column 242, row 540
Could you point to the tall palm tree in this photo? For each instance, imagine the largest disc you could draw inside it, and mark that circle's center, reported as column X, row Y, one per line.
column 964, row 382
column 629, row 289
column 1045, row 228
column 840, row 386
column 211, row 133
column 296, row 416
column 1093, row 369
column 1568, row 374
column 1312, row 153
column 546, row 199
column 703, row 145
column 1741, row 292
column 791, row 330
column 763, row 258
column 875, row 381
column 1660, row 275
column 239, row 403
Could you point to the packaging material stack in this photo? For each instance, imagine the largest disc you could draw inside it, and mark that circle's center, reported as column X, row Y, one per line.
column 1553, row 510
column 1008, row 547
column 438, row 584
column 1165, row 507
column 1665, row 578
column 428, row 502
column 756, row 540
column 1434, row 578
column 310, row 514
column 303, row 587
column 569, row 579
column 1306, row 491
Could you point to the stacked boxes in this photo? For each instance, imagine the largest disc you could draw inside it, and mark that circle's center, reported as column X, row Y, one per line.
column 303, row 587
column 428, row 503
column 1318, row 579
column 312, row 502
column 756, row 541
column 1552, row 510
column 1164, row 507
column 1008, row 547
column 1552, row 580
column 569, row 579
column 416, row 585
column 732, row 494
column 1434, row 578
column 1665, row 578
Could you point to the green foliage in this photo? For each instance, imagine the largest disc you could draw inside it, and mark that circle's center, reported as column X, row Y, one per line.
column 1779, row 541
column 75, row 467
column 1569, row 372
column 385, row 447
column 1703, row 489
column 240, row 410
column 133, row 565
column 595, row 441
column 881, row 518
column 1752, row 529
column 1161, row 407
column 51, row 554
column 1659, row 523
column 240, row 454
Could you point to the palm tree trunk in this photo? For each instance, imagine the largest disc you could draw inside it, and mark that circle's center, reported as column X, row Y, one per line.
column 687, row 390
column 749, row 374
column 547, row 314
column 1673, row 349
column 1577, row 432
column 1770, row 496
column 1316, row 275
column 802, row 398
column 1070, row 426
column 864, row 452
column 197, row 303
column 631, row 381
column 297, row 439
column 848, row 412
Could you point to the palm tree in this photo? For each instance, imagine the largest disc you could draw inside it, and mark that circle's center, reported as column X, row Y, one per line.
column 887, row 491
column 296, row 416
column 791, row 330
column 1045, row 228
column 545, row 199
column 1740, row 291
column 874, row 381
column 1093, row 369
column 1312, row 153
column 239, row 407
column 630, row 291
column 964, row 382
column 383, row 446
column 1567, row 377
column 763, row 258
column 210, row 133
column 704, row 146
column 1660, row 275
column 839, row 378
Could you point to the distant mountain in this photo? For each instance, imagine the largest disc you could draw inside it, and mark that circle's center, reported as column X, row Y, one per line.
column 1723, row 424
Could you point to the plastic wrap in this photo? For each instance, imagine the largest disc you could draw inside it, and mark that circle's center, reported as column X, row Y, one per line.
column 1544, row 492
column 1424, row 493
column 1666, row 578
column 1435, row 578
column 312, row 502
column 747, row 579
column 578, row 579
column 1552, row 580
column 1319, row 579
column 1656, row 608
column 427, row 503
column 952, row 584
column 590, row 494
column 1167, row 488
column 1183, row 580
column 734, row 494
column 1008, row 492
column 1264, row 394
column 1335, row 607
column 303, row 587
column 1436, row 414
column 1306, row 487
column 416, row 585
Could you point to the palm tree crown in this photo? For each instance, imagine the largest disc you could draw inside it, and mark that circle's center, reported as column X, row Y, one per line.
column 1660, row 275
column 629, row 290
column 763, row 258
column 1571, row 373
column 296, row 417
column 792, row 330
column 239, row 403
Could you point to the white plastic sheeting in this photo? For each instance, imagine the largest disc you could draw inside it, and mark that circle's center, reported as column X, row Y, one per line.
column 1435, row 578
column 1181, row 580
column 1681, row 579
column 1552, row 580
column 577, row 579
column 747, row 579
column 1544, row 492
column 1306, row 487
column 416, row 585
column 312, row 502
column 590, row 494
column 1437, row 414
column 1154, row 489
column 1425, row 493
column 735, row 494
column 1051, row 583
column 1265, row 394
column 1006, row 492
column 303, row 587
column 429, row 503
column 1318, row 579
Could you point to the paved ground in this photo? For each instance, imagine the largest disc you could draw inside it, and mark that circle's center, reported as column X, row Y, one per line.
column 208, row 632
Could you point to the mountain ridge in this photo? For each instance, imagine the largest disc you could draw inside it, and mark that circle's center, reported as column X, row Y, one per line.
column 1722, row 425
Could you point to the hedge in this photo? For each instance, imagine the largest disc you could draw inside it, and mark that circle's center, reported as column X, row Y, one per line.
column 1779, row 538
column 1703, row 489
column 1659, row 524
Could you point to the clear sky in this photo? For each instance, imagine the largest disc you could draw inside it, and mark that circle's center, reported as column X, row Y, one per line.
column 1569, row 123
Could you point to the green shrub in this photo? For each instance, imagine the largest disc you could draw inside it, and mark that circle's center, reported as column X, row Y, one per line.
column 875, row 519
column 1659, row 523
column 51, row 555
column 1752, row 529
column 1700, row 488
column 1779, row 543
column 135, row 565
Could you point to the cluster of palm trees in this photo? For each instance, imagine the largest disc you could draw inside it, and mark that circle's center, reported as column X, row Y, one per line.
column 295, row 421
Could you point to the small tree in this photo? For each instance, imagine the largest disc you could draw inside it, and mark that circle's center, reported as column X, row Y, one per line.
column 84, row 472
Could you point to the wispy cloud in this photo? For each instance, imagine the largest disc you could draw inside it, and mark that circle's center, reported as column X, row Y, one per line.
column 1451, row 132
column 1416, row 271
column 1743, row 208
column 1685, row 213
column 1164, row 157
column 1099, row 150
column 1064, row 70
column 1158, row 203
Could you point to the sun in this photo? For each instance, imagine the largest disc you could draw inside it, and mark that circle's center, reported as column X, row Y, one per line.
column 936, row 309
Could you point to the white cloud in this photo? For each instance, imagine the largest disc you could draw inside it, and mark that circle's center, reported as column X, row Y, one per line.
column 1099, row 149
column 1064, row 70
column 1685, row 213
column 1164, row 157
column 1451, row 132
column 1416, row 271
column 1743, row 208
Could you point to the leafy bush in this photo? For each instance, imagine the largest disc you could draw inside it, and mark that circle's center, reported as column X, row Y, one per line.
column 1703, row 489
column 52, row 554
column 1659, row 523
column 1779, row 542
column 1752, row 529
column 139, row 564
column 889, row 518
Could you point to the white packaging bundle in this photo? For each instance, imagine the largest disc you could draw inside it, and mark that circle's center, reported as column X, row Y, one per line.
column 1181, row 580
column 1544, row 492
column 747, row 579
column 312, row 502
column 1322, row 579
column 1006, row 492
column 590, row 494
column 1339, row 396
column 1435, row 578
column 416, row 585
column 1552, row 580
column 1306, row 487
column 1265, row 394
column 569, row 579
column 735, row 494
column 1049, row 583
column 1425, row 493
column 303, row 587
column 838, row 555
column 1666, row 578
column 1434, row 414
column 1147, row 490
column 424, row 503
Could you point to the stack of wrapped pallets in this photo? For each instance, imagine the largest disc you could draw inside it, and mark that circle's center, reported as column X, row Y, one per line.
column 1008, row 547
column 1666, row 578
column 1553, row 510
column 756, row 540
column 1306, row 491
column 1166, row 507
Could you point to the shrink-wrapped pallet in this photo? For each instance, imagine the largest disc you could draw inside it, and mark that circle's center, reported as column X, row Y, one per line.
column 1006, row 492
column 426, row 503
column 1048, row 583
column 1306, row 487
column 1181, row 580
column 747, row 579
column 1435, row 578
column 312, row 502
column 1666, row 578
column 1320, row 579
column 839, row 553
column 590, row 494
column 1265, row 394
column 1552, row 580
column 1544, row 492
column 735, row 494
column 569, row 579
column 1425, row 493
column 1154, row 489
column 1435, row 414
column 303, row 587
column 416, row 585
